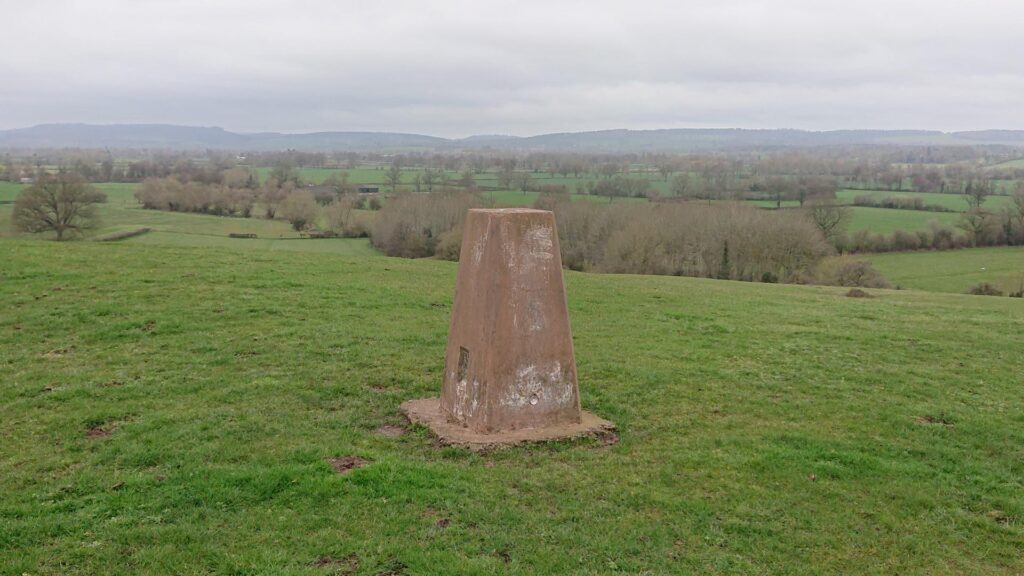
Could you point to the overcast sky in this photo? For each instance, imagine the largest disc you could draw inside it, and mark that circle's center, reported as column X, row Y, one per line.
column 523, row 67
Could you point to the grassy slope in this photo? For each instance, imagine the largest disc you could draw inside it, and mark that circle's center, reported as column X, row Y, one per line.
column 227, row 382
column 955, row 270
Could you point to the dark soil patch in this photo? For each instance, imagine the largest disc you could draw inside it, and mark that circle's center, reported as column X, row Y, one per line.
column 148, row 326
column 59, row 352
column 929, row 419
column 998, row 516
column 390, row 431
column 346, row 464
column 347, row 565
column 443, row 523
column 97, row 432
column 608, row 437
column 858, row 293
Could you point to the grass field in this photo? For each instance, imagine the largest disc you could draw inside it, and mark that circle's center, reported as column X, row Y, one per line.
column 764, row 429
column 955, row 270
column 1018, row 163
column 122, row 213
column 886, row 220
column 952, row 201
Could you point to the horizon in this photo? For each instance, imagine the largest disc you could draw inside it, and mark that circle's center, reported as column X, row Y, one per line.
column 496, row 135
column 456, row 69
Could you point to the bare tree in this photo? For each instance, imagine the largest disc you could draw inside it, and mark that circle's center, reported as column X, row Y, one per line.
column 300, row 209
column 393, row 177
column 339, row 215
column 829, row 217
column 521, row 180
column 680, row 184
column 977, row 223
column 429, row 177
column 62, row 203
column 977, row 191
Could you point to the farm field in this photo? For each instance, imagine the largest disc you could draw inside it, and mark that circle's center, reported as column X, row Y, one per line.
column 886, row 220
column 1018, row 163
column 121, row 213
column 952, row 201
column 177, row 419
column 335, row 246
column 954, row 270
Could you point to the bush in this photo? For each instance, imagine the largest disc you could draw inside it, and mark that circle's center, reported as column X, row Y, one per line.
column 415, row 225
column 731, row 241
column 300, row 209
column 170, row 194
column 848, row 271
column 984, row 289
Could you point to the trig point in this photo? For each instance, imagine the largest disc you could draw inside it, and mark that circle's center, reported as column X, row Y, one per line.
column 510, row 371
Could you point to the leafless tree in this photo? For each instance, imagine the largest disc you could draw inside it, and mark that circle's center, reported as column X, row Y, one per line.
column 300, row 209
column 63, row 203
column 829, row 217
column 393, row 177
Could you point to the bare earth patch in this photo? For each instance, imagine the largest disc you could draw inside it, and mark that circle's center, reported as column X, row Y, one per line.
column 390, row 431
column 345, row 464
column 59, row 352
column 858, row 293
column 97, row 432
column 929, row 419
column 347, row 565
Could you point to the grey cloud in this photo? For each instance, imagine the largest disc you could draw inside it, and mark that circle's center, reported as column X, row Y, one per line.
column 457, row 68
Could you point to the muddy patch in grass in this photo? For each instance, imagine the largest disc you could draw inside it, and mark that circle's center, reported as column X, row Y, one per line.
column 59, row 352
column 99, row 432
column 390, row 431
column 998, row 516
column 858, row 293
column 941, row 420
column 346, row 565
column 345, row 464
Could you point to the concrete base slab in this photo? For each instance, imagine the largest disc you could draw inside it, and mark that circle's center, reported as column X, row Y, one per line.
column 428, row 413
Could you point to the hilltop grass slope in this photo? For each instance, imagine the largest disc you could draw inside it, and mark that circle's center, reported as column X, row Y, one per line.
column 171, row 410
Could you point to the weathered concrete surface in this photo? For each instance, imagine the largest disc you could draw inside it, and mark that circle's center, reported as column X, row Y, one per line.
column 427, row 412
column 509, row 363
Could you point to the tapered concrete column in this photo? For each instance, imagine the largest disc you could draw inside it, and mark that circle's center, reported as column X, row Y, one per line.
column 510, row 368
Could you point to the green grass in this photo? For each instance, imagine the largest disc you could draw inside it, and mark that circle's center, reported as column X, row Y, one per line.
column 336, row 246
column 956, row 202
column 954, row 270
column 1018, row 163
column 886, row 220
column 764, row 429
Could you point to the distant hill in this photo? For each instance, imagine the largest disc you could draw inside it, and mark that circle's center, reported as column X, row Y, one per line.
column 163, row 136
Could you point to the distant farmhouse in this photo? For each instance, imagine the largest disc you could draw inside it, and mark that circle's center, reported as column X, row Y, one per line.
column 364, row 189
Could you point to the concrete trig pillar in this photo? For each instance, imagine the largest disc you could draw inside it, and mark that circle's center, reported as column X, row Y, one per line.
column 510, row 368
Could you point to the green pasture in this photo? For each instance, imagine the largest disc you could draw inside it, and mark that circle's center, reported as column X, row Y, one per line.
column 171, row 409
column 886, row 220
column 956, row 202
column 954, row 270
